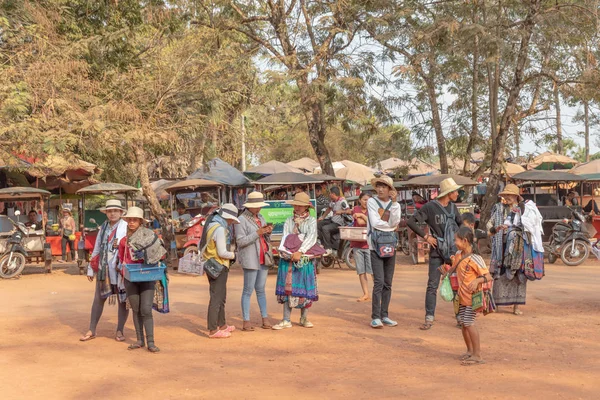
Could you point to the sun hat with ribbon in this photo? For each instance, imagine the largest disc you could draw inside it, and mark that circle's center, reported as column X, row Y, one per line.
column 230, row 212
column 448, row 186
column 386, row 180
column 256, row 200
column 300, row 199
column 134, row 212
column 511, row 189
column 112, row 205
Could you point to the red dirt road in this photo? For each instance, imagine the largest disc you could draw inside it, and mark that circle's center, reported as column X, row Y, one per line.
column 551, row 352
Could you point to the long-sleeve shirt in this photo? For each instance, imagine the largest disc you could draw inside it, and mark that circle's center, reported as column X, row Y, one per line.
column 220, row 239
column 375, row 221
column 308, row 232
column 432, row 215
column 121, row 232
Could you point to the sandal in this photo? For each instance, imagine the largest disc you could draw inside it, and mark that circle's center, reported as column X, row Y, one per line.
column 426, row 326
column 248, row 329
column 465, row 356
column 119, row 337
column 220, row 335
column 266, row 326
column 518, row 312
column 470, row 361
column 135, row 346
column 87, row 336
column 153, row 349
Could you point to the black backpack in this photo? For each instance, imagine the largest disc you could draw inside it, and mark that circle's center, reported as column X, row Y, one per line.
column 446, row 247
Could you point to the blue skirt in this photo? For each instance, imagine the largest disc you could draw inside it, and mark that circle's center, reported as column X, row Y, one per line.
column 304, row 282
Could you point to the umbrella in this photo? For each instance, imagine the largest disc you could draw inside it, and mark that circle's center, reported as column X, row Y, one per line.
column 435, row 180
column 551, row 161
column 415, row 166
column 192, row 184
column 325, row 177
column 547, row 176
column 355, row 172
column 511, row 169
column 222, row 172
column 288, row 178
column 108, row 188
column 273, row 167
column 305, row 164
column 589, row 170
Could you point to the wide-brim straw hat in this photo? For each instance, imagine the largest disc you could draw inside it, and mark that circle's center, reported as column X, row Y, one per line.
column 67, row 210
column 134, row 212
column 256, row 200
column 301, row 199
column 386, row 180
column 112, row 205
column 230, row 212
column 513, row 189
column 448, row 186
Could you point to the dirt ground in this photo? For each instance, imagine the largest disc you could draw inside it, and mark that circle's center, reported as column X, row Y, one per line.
column 551, row 352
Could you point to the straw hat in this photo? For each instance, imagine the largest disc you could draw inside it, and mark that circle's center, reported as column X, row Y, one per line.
column 300, row 199
column 448, row 186
column 112, row 205
column 134, row 212
column 229, row 211
column 66, row 209
column 513, row 189
column 386, row 180
column 256, row 200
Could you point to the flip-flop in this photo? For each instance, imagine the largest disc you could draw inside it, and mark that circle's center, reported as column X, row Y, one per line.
column 465, row 356
column 135, row 346
column 153, row 349
column 469, row 361
column 426, row 326
column 518, row 312
column 120, row 338
column 266, row 326
column 86, row 338
column 248, row 329
column 220, row 335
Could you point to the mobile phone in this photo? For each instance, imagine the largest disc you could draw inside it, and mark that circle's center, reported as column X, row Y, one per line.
column 269, row 224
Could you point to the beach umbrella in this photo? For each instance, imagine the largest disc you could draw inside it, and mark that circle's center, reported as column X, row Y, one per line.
column 589, row 170
column 273, row 167
column 551, row 161
column 355, row 172
column 305, row 164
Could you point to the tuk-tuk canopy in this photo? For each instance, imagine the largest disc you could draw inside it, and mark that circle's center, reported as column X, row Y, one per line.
column 435, row 180
column 107, row 188
column 326, row 178
column 192, row 184
column 219, row 171
column 547, row 176
column 590, row 171
column 288, row 178
column 22, row 193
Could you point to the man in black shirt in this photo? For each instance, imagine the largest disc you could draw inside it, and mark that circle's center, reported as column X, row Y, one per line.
column 435, row 218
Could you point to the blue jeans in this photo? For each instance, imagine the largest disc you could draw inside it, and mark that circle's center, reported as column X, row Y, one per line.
column 255, row 280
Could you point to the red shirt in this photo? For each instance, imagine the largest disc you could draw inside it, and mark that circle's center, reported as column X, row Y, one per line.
column 359, row 223
column 263, row 243
column 125, row 256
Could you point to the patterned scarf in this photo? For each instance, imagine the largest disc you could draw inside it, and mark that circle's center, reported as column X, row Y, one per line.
column 498, row 216
column 299, row 219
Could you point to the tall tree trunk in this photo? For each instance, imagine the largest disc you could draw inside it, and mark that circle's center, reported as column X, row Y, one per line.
column 314, row 113
column 510, row 110
column 517, row 140
column 559, row 137
column 474, row 96
column 586, row 122
column 437, row 124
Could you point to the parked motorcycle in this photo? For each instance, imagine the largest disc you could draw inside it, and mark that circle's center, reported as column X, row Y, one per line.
column 341, row 249
column 570, row 241
column 14, row 258
column 193, row 230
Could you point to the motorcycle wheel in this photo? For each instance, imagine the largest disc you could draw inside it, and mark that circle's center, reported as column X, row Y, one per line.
column 404, row 243
column 414, row 251
column 349, row 258
column 327, row 261
column 191, row 249
column 17, row 263
column 580, row 254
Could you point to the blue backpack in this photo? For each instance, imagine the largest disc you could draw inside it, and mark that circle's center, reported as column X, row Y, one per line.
column 446, row 246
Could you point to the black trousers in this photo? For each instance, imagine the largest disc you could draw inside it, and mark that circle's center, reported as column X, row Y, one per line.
column 325, row 230
column 383, row 275
column 218, row 297
column 63, row 243
column 141, row 296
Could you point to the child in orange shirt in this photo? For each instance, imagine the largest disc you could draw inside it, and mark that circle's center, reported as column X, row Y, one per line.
column 471, row 271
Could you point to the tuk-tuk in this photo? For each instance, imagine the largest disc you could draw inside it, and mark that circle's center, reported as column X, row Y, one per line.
column 279, row 211
column 91, row 220
column 188, row 231
column 33, row 246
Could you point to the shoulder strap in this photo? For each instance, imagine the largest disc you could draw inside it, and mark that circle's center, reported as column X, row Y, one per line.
column 211, row 233
column 442, row 208
column 381, row 206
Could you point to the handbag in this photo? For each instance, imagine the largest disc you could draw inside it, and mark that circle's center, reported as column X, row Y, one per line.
column 477, row 301
column 213, row 268
column 269, row 258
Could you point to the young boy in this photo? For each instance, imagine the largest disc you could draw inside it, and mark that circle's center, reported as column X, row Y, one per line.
column 469, row 220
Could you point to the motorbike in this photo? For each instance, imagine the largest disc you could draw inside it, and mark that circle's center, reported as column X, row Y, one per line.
column 341, row 249
column 570, row 241
column 193, row 231
column 12, row 262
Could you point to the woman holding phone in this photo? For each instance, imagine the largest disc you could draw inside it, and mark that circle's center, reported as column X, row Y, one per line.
column 253, row 236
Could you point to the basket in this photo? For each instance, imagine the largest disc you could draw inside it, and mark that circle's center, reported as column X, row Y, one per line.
column 191, row 263
column 144, row 272
column 354, row 234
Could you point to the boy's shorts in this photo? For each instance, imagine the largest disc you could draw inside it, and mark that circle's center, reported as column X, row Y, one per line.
column 466, row 315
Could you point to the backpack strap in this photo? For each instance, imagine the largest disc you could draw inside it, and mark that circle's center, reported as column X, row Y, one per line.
column 211, row 233
column 448, row 214
column 381, row 206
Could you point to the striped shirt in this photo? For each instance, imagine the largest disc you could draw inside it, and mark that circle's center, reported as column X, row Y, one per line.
column 308, row 232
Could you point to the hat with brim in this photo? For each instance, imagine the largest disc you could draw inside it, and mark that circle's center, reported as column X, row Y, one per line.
column 301, row 199
column 386, row 180
column 256, row 200
column 448, row 186
column 67, row 210
column 230, row 212
column 112, row 205
column 134, row 212
column 511, row 189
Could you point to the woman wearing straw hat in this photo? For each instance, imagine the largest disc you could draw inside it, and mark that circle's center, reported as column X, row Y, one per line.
column 67, row 225
column 296, row 276
column 140, row 294
column 109, row 284
column 216, row 240
column 253, row 236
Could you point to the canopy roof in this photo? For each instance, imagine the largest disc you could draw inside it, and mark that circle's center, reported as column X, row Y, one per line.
column 435, row 180
column 305, row 164
column 325, row 177
column 512, row 169
column 22, row 193
column 551, row 161
column 288, row 178
column 355, row 172
column 219, row 171
column 589, row 170
column 192, row 184
column 273, row 167
column 414, row 165
column 547, row 176
column 108, row 188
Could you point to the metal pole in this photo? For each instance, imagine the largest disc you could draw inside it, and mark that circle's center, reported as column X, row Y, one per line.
column 243, row 143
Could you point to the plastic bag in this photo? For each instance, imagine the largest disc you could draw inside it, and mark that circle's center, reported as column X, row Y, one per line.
column 446, row 291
